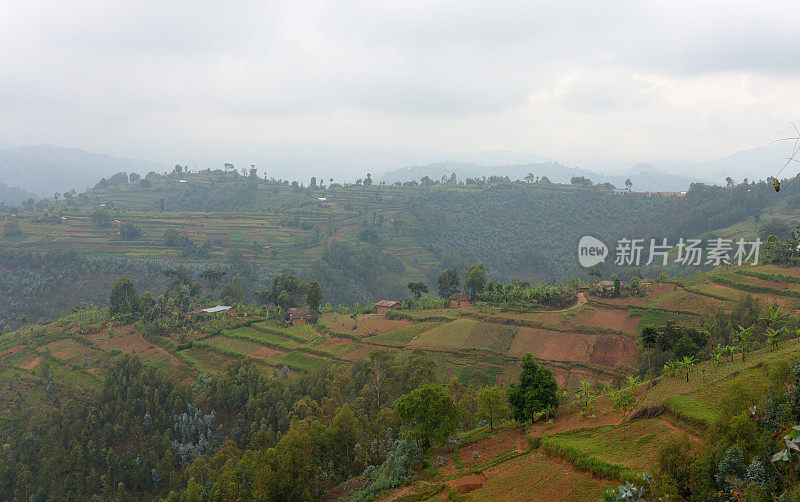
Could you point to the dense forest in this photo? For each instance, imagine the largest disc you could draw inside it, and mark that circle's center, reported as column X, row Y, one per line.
column 514, row 230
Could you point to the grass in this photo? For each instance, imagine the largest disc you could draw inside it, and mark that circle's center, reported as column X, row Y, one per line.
column 301, row 361
column 531, row 477
column 632, row 445
column 585, row 462
column 449, row 335
column 263, row 337
column 496, row 337
column 400, row 337
column 242, row 346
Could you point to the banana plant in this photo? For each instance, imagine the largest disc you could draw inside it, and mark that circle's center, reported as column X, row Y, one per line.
column 584, row 390
column 730, row 349
column 708, row 329
column 775, row 318
column 745, row 337
column 686, row 364
column 774, row 336
column 716, row 354
column 633, row 380
column 669, row 368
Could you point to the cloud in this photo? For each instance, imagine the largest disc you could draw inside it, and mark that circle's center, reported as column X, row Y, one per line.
column 674, row 79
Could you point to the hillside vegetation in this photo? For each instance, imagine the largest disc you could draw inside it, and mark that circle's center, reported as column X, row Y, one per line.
column 362, row 242
column 208, row 393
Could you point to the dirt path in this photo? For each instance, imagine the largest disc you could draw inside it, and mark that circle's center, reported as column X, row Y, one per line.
column 581, row 301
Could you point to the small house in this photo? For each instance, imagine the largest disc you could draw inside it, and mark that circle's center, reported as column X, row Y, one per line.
column 606, row 285
column 384, row 306
column 298, row 316
column 460, row 300
column 583, row 287
column 214, row 310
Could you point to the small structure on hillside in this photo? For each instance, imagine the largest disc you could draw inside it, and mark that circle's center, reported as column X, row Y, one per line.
column 299, row 315
column 583, row 287
column 606, row 285
column 213, row 310
column 460, row 300
column 384, row 306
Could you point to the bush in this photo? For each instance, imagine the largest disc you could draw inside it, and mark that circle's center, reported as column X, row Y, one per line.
column 129, row 231
column 685, row 347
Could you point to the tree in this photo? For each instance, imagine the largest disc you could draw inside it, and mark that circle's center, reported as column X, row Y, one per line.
column 429, row 414
column 529, row 177
column 775, row 317
column 536, row 392
column 580, row 181
column 234, row 290
column 584, row 391
column 729, row 182
column 368, row 180
column 595, row 272
column 129, row 231
column 774, row 336
column 212, row 277
column 685, row 347
column 476, row 279
column 101, row 218
column 449, row 282
column 628, row 183
column 12, row 228
column 284, row 300
column 772, row 226
column 417, row 289
column 314, row 295
column 492, row 404
column 744, row 336
column 123, row 301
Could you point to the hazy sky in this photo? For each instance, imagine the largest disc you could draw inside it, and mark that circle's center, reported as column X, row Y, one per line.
column 635, row 80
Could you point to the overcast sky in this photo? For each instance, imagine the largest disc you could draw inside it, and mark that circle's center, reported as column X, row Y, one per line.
column 633, row 81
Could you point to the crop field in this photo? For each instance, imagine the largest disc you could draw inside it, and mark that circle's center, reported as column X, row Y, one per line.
column 208, row 359
column 452, row 335
column 262, row 337
column 301, row 361
column 132, row 342
column 607, row 350
column 631, row 444
column 241, row 346
column 496, row 337
column 537, row 477
column 402, row 336
column 606, row 319
column 699, row 397
column 368, row 324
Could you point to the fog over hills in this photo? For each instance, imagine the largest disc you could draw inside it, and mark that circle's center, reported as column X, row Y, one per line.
column 45, row 169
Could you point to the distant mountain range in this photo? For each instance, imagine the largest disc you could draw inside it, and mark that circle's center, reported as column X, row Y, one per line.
column 46, row 169
column 643, row 176
column 14, row 195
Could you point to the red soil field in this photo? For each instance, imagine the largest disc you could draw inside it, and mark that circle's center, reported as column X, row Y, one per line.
column 29, row 365
column 606, row 350
column 132, row 342
column 371, row 324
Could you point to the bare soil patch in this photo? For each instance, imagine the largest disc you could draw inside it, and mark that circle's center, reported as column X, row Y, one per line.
column 606, row 350
column 29, row 365
column 368, row 324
